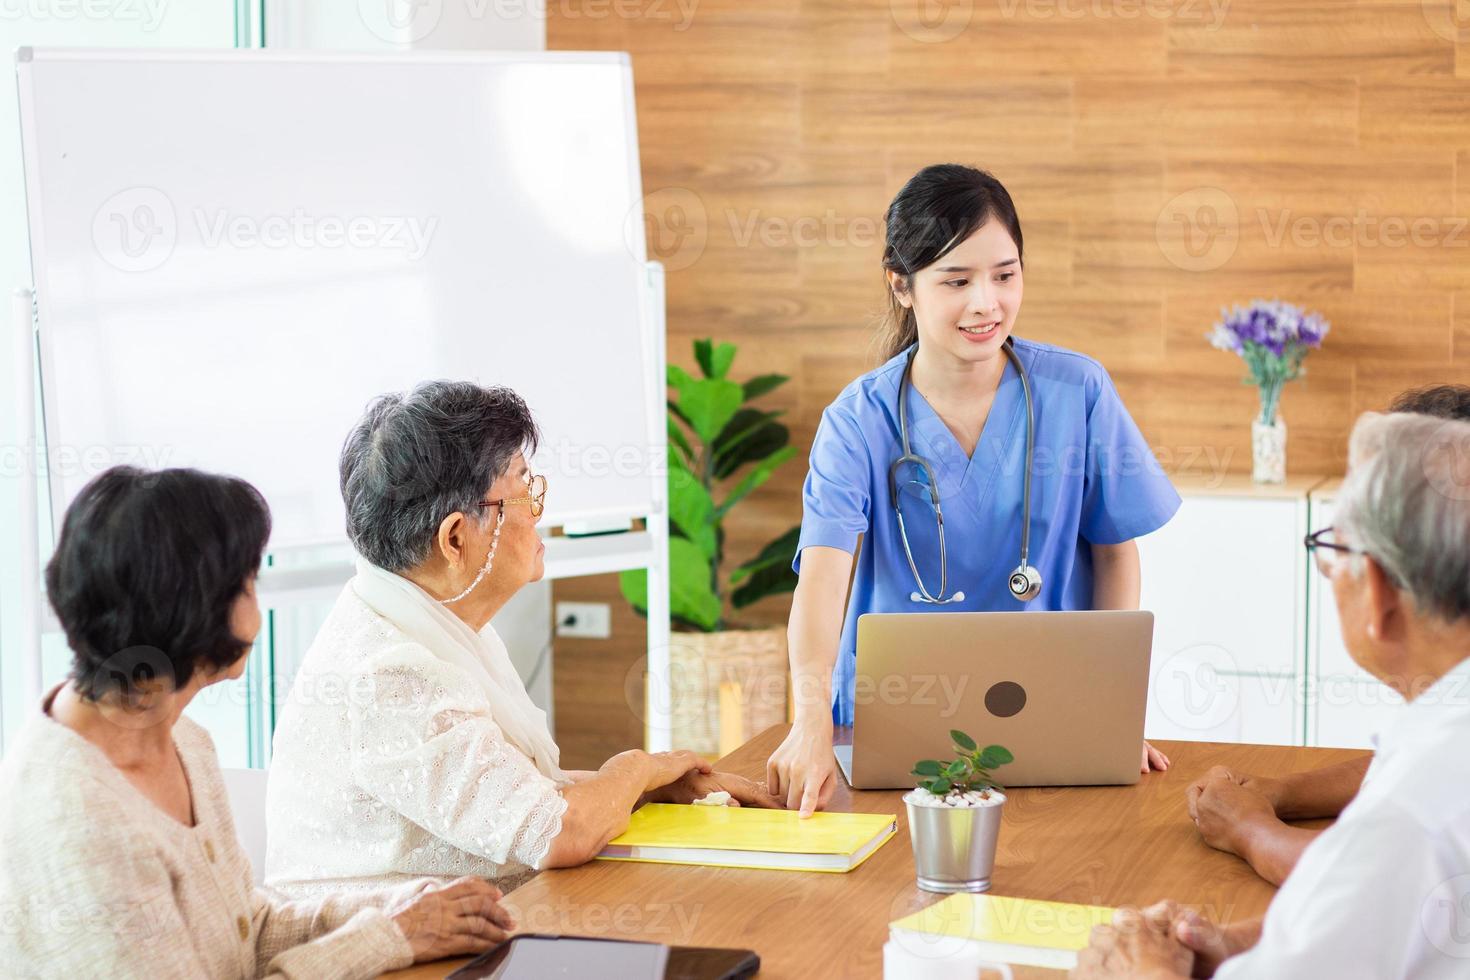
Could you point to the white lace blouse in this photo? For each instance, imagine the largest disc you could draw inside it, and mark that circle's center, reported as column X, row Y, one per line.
column 388, row 765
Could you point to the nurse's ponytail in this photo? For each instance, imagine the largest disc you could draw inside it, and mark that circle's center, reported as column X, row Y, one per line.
column 938, row 208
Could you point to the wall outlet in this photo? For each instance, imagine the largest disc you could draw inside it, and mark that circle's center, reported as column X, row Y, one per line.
column 589, row 620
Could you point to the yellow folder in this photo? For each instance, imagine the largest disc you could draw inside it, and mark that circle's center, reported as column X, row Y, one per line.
column 748, row 837
column 1022, row 931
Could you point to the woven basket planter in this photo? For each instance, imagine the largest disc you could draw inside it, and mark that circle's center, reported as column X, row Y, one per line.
column 727, row 687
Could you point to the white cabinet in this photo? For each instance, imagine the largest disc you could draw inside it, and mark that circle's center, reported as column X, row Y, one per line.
column 1226, row 582
column 1345, row 704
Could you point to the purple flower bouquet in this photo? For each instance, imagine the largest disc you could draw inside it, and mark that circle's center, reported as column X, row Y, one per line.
column 1273, row 339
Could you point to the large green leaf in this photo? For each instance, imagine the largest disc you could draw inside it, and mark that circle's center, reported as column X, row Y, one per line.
column 714, row 359
column 762, row 443
column 774, row 579
column 753, row 480
column 676, row 413
column 758, row 386
column 690, row 508
column 690, row 598
column 677, row 438
column 709, row 405
column 703, row 355
column 721, row 359
column 741, row 425
column 778, row 553
column 634, row 584
column 680, row 475
column 679, row 379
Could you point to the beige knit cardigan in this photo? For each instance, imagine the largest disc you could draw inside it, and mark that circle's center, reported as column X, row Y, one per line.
column 95, row 880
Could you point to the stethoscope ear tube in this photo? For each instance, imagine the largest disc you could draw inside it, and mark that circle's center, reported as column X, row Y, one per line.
column 1024, row 582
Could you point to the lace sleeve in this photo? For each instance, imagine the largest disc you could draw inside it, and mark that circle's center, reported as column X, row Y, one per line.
column 424, row 743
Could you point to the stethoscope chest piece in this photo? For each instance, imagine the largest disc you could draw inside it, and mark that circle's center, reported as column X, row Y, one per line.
column 1025, row 583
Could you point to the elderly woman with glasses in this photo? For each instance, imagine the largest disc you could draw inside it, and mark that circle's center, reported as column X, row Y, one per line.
column 1384, row 892
column 408, row 745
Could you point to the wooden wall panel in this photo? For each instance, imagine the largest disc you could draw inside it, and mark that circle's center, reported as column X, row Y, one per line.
column 1121, row 129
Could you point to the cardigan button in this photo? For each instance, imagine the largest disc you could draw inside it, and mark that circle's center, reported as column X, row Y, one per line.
column 243, row 924
column 209, row 851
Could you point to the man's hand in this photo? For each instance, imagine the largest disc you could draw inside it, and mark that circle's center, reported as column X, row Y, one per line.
column 1137, row 944
column 697, row 785
column 1227, row 811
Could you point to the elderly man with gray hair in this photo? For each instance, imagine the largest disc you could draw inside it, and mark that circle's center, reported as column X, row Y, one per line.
column 1385, row 892
column 408, row 746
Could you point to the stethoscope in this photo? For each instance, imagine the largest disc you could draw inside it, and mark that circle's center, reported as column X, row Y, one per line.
column 1025, row 581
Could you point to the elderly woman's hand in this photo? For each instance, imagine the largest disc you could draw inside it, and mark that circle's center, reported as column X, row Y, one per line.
column 697, row 785
column 459, row 918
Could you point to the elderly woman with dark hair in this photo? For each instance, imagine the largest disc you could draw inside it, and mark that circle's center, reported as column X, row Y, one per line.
column 118, row 857
column 408, row 745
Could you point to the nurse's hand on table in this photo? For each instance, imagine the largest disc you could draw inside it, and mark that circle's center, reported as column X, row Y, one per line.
column 462, row 917
column 1153, row 759
column 803, row 771
column 1137, row 944
column 697, row 785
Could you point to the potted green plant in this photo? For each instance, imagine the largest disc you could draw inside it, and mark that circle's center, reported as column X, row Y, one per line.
column 954, row 816
column 721, row 449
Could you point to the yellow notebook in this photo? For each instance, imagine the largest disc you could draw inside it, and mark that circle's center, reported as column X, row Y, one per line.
column 1021, row 931
column 748, row 837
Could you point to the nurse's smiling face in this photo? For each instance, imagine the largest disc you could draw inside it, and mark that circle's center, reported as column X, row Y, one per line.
column 965, row 303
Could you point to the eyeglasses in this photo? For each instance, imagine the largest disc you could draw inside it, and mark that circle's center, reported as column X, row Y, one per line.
column 1323, row 547
column 537, row 497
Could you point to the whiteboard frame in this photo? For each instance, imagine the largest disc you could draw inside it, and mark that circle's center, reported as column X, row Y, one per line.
column 566, row 557
column 26, row 56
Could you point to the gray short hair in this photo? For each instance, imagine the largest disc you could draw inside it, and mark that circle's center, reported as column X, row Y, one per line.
column 1406, row 502
column 414, row 459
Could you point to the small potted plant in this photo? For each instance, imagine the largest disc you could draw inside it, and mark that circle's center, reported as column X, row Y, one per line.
column 1273, row 339
column 954, row 817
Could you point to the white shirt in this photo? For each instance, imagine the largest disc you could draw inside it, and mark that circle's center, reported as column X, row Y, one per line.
column 1385, row 892
column 388, row 765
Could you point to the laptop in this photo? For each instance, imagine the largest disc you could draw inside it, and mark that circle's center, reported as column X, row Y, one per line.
column 1064, row 691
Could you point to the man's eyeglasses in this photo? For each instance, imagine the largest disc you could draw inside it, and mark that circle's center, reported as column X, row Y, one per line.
column 1325, row 547
column 536, row 498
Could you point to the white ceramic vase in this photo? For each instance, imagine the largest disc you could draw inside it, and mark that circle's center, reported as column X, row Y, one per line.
column 1268, row 451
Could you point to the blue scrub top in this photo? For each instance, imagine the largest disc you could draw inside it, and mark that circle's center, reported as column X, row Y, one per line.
column 1094, row 481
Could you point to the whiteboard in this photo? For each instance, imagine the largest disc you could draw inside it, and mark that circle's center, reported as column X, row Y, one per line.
column 234, row 251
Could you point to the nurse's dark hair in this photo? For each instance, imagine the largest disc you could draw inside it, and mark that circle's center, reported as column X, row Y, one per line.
column 937, row 209
column 146, row 573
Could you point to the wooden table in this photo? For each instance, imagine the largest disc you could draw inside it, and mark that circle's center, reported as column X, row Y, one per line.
column 1108, row 845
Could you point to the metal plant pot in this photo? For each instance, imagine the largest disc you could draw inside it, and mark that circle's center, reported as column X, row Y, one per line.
column 954, row 847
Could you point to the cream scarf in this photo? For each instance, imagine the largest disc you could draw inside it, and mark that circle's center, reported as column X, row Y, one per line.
column 480, row 655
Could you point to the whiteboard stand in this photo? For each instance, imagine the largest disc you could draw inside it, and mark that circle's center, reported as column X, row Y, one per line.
column 658, row 694
column 23, row 331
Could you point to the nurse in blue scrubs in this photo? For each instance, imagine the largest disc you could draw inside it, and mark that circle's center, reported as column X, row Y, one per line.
column 944, row 429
